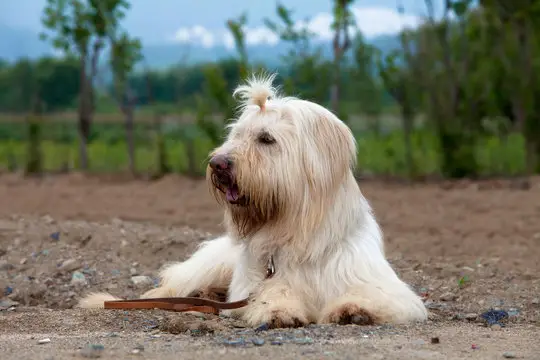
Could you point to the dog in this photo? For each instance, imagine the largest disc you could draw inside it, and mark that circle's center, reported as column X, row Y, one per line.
column 285, row 178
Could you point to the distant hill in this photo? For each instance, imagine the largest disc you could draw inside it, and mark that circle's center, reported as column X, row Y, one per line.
column 17, row 43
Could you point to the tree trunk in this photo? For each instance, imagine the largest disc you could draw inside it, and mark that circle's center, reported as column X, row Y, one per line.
column 130, row 138
column 130, row 141
column 84, row 116
column 407, row 118
column 162, row 161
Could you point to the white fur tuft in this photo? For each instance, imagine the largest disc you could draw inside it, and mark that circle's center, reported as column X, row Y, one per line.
column 96, row 300
column 257, row 91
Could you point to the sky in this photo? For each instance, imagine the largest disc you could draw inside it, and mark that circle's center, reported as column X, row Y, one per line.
column 203, row 21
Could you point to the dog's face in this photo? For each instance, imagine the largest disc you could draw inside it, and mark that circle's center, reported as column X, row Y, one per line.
column 277, row 159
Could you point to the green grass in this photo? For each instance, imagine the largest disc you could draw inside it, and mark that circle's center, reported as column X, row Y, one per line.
column 383, row 154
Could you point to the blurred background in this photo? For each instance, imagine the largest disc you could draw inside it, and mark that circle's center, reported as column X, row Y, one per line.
column 431, row 88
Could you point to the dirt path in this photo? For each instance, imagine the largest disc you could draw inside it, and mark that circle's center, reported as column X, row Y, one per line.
column 469, row 247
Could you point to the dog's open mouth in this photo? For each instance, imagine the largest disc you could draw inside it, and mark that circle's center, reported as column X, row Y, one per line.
column 227, row 185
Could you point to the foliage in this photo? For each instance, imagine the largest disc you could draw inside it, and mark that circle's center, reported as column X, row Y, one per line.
column 464, row 87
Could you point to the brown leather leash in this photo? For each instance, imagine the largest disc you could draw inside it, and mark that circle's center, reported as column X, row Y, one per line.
column 183, row 304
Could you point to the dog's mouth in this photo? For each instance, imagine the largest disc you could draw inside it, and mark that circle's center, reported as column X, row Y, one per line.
column 226, row 183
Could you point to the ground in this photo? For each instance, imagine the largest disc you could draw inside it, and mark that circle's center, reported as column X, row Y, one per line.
column 467, row 247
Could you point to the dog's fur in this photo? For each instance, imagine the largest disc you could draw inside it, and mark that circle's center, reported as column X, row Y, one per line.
column 293, row 197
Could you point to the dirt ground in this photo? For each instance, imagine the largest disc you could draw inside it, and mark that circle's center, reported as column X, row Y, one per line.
column 468, row 247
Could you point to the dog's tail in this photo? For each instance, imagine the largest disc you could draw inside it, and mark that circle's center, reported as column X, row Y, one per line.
column 96, row 300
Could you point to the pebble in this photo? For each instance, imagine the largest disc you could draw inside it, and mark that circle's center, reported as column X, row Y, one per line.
column 471, row 316
column 509, row 355
column 141, row 280
column 92, row 351
column 303, row 341
column 133, row 271
column 70, row 265
column 435, row 340
column 535, row 301
column 234, row 342
column 44, row 341
column 492, row 317
column 23, row 261
column 262, row 327
column 4, row 265
column 258, row 342
column 496, row 327
column 448, row 296
column 78, row 278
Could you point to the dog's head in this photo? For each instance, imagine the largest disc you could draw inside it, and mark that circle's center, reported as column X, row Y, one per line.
column 282, row 157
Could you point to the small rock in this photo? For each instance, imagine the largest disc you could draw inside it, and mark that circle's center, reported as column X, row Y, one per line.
column 7, row 303
column 23, row 261
column 257, row 342
column 303, row 341
column 44, row 341
column 234, row 342
column 133, row 271
column 471, row 316
column 535, row 301
column 5, row 266
column 140, row 280
column 448, row 296
column 48, row 219
column 492, row 317
column 70, row 265
column 262, row 327
column 509, row 355
column 435, row 340
column 496, row 327
column 92, row 351
column 78, row 278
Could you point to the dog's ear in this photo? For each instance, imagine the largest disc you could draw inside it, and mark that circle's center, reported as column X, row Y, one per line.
column 336, row 140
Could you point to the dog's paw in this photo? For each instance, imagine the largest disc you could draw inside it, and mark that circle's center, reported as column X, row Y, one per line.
column 276, row 318
column 349, row 313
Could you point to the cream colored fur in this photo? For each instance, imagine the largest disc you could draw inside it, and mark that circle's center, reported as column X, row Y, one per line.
column 327, row 246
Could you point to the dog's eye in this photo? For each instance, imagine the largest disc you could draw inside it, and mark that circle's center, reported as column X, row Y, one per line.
column 266, row 138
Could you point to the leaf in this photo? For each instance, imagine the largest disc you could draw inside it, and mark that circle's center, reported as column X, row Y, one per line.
column 460, row 7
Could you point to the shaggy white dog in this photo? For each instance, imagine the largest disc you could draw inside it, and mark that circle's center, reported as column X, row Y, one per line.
column 285, row 178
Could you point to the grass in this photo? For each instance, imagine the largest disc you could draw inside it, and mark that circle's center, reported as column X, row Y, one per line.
column 383, row 154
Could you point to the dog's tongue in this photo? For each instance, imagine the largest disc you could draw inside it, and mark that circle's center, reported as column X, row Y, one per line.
column 232, row 193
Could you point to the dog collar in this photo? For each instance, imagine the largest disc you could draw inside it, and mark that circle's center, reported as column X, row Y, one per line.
column 270, row 268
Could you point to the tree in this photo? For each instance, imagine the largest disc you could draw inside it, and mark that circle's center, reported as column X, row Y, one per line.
column 79, row 27
column 306, row 72
column 366, row 78
column 343, row 20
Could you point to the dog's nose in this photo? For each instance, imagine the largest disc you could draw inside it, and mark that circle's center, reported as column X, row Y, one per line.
column 220, row 162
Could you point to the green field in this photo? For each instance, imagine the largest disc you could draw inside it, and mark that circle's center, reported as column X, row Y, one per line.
column 377, row 154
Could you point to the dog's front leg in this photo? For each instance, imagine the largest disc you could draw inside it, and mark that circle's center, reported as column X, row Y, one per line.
column 277, row 305
column 369, row 304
